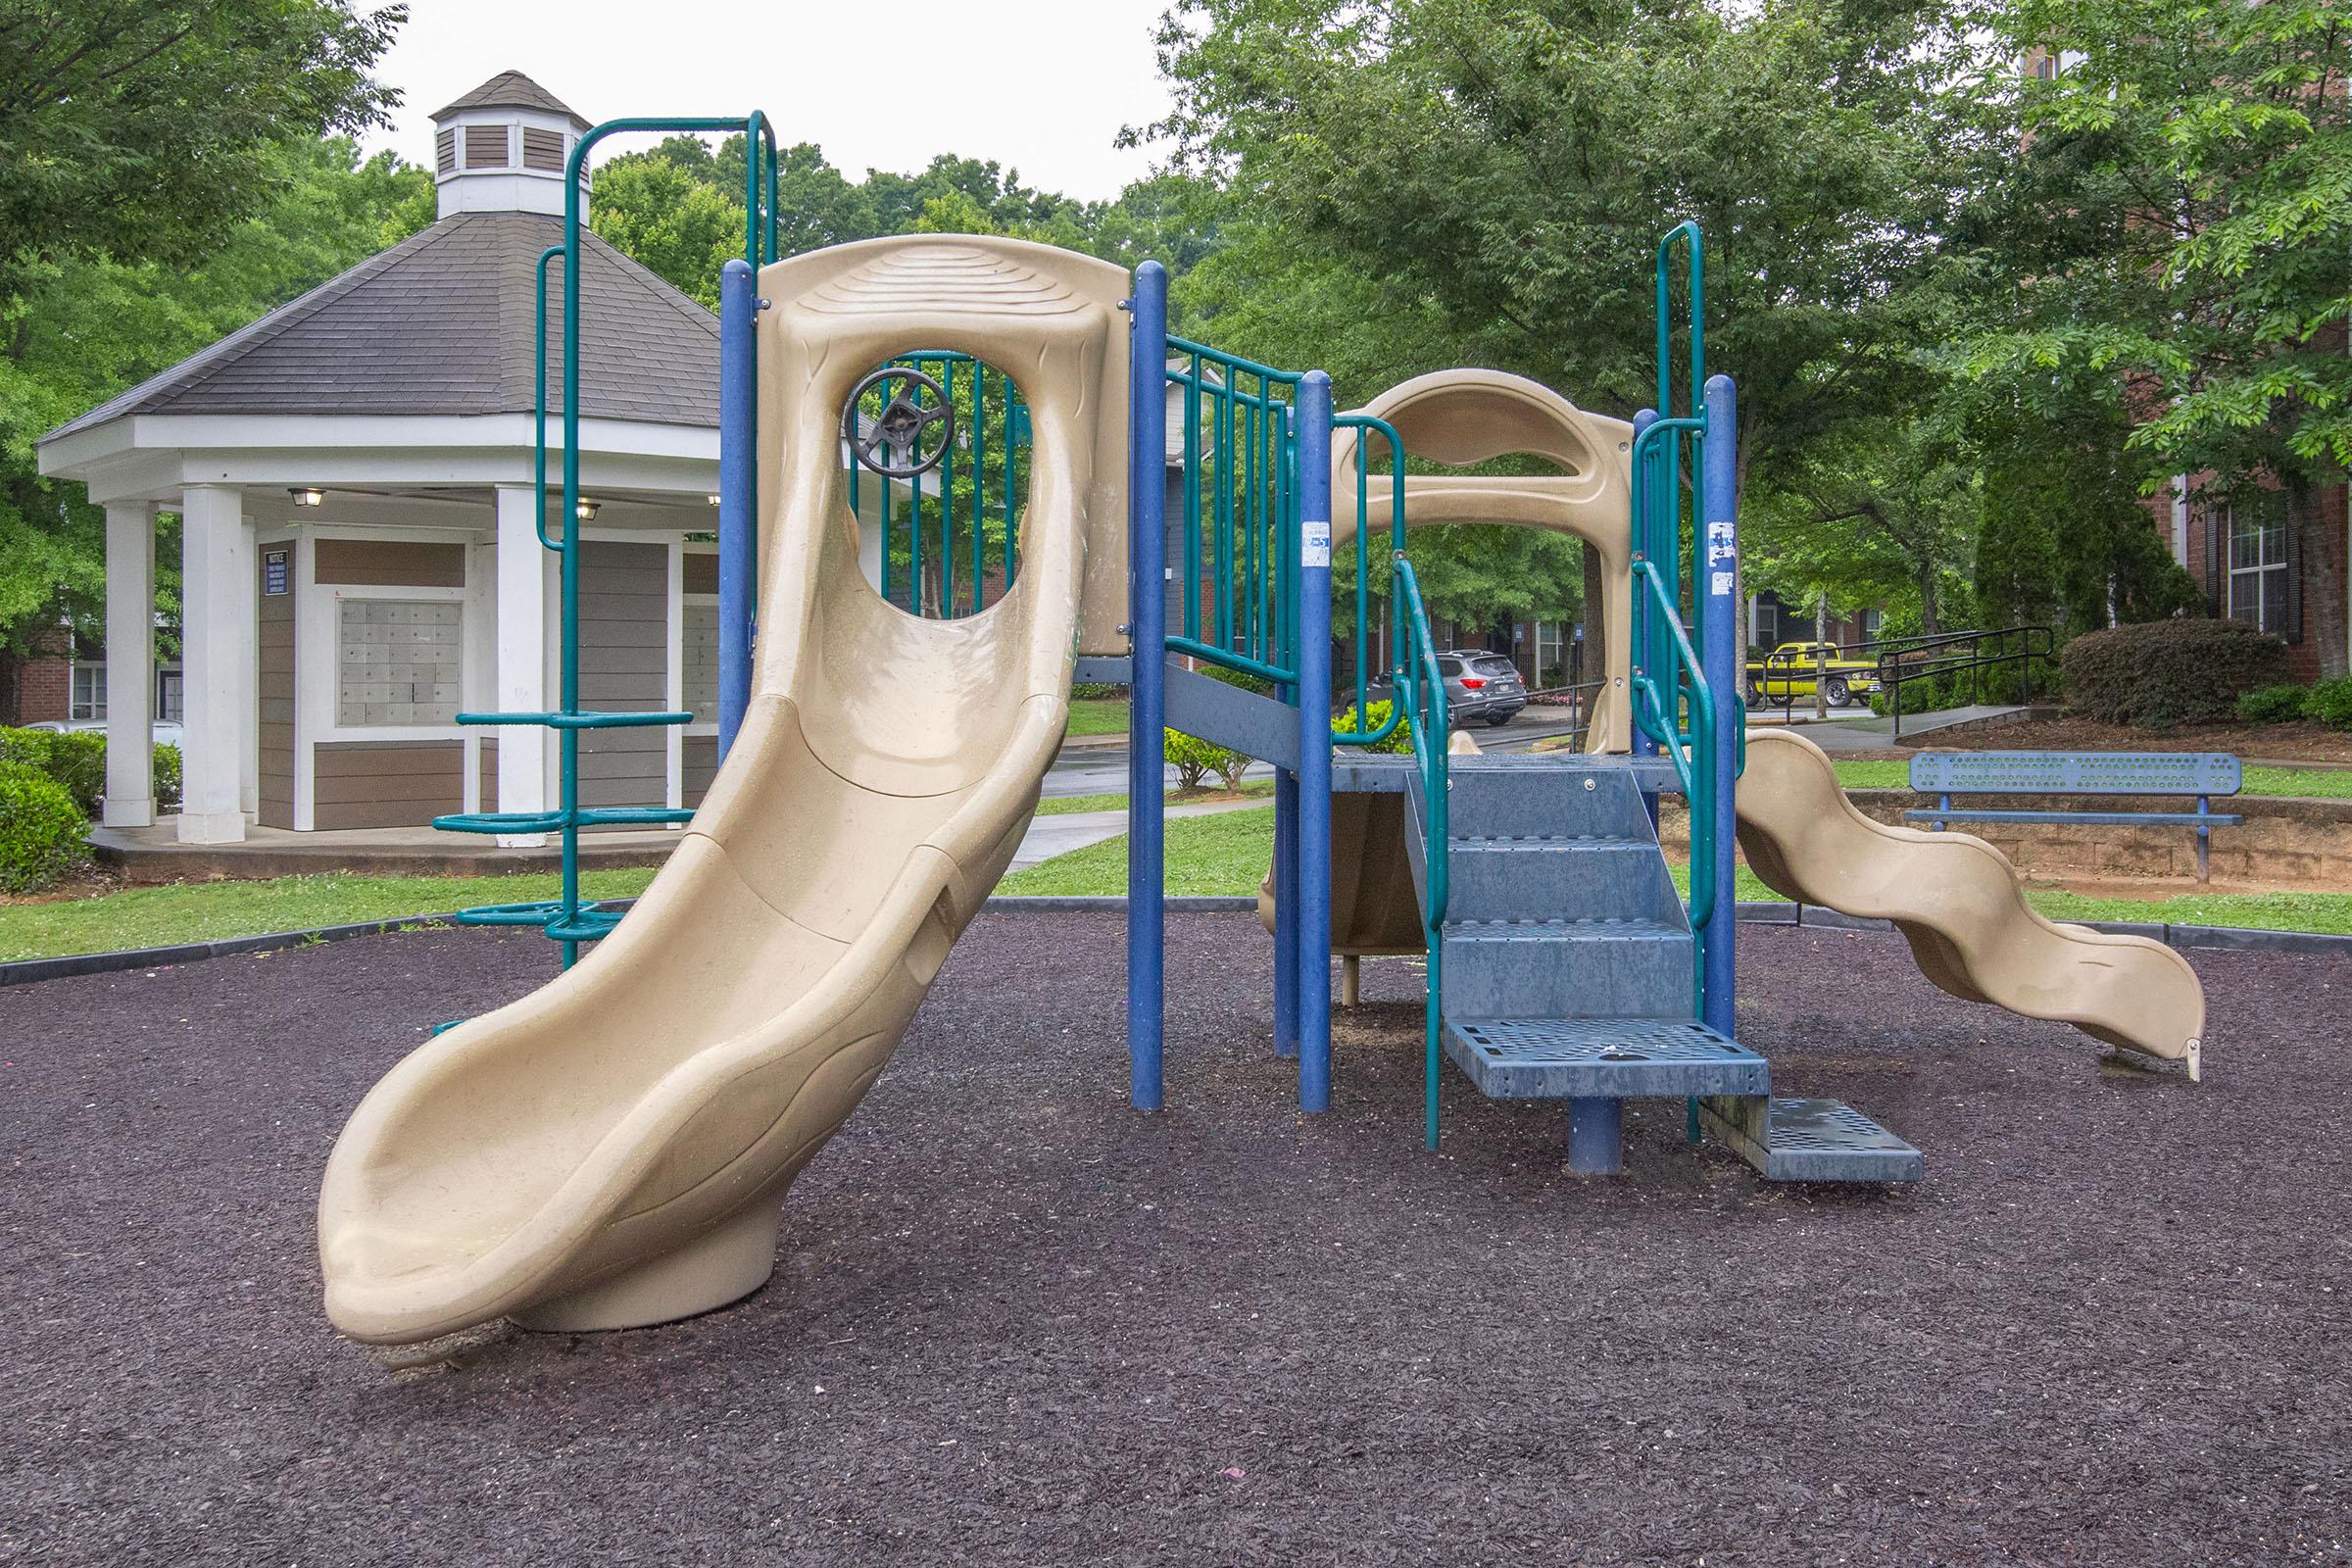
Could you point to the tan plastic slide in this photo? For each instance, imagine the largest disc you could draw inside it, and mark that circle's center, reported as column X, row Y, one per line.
column 613, row 1149
column 1958, row 902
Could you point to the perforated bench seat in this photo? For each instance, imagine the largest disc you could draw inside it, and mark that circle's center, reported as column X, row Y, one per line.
column 2201, row 774
column 1930, row 813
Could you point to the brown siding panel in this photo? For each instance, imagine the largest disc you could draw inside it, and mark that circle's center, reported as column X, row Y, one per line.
column 275, row 642
column 624, row 640
column 699, row 573
column 387, row 783
column 391, row 564
column 697, row 765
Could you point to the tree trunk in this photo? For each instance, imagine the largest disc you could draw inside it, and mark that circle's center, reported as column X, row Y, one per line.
column 1821, row 675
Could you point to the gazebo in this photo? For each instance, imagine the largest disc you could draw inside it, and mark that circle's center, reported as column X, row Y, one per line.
column 361, row 547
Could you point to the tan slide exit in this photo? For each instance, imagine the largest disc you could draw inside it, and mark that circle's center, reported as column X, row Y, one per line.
column 613, row 1149
column 1957, row 900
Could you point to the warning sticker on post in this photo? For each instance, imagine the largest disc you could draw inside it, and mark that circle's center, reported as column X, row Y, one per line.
column 1314, row 543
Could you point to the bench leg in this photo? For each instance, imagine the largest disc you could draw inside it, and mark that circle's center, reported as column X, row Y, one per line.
column 2204, row 862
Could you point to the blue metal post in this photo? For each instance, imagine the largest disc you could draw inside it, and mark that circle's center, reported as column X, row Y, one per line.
column 1314, row 742
column 738, row 500
column 1286, row 912
column 1718, row 585
column 1147, row 630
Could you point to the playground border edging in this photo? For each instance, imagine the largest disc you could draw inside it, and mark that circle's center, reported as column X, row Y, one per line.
column 2213, row 937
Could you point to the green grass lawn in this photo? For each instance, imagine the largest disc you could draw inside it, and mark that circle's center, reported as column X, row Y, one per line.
column 1067, row 804
column 1229, row 854
column 208, row 912
column 1098, row 716
column 1224, row 853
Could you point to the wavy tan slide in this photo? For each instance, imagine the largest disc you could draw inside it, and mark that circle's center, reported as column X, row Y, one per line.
column 614, row 1150
column 1958, row 902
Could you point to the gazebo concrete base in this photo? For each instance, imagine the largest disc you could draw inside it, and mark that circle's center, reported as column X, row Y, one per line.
column 155, row 855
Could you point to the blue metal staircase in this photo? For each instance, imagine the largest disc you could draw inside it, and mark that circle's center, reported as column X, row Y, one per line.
column 1567, row 956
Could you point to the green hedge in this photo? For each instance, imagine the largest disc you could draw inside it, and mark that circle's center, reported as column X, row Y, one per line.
column 2330, row 703
column 1375, row 714
column 2272, row 704
column 76, row 761
column 167, row 778
column 41, row 829
column 2161, row 673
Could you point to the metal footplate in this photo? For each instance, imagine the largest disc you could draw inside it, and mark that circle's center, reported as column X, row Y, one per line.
column 1810, row 1140
column 1612, row 1058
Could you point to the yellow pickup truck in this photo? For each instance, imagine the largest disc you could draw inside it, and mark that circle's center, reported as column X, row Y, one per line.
column 1786, row 675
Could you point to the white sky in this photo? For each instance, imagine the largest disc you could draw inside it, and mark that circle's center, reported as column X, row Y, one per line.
column 1039, row 85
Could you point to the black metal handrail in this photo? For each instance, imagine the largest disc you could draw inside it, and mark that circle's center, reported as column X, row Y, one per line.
column 1964, row 653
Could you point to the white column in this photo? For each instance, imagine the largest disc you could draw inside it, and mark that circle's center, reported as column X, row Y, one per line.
column 217, row 641
column 130, row 664
column 522, row 636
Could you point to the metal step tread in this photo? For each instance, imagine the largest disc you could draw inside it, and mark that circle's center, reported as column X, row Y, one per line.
column 1812, row 1140
column 1586, row 928
column 1551, row 1058
column 1493, row 842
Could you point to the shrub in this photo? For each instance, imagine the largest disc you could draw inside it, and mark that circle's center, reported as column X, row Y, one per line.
column 2272, row 704
column 77, row 761
column 41, row 829
column 167, row 778
column 2159, row 674
column 1195, row 759
column 1085, row 689
column 2330, row 703
column 1375, row 714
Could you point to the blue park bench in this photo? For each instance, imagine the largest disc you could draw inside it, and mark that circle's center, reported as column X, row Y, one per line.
column 2177, row 774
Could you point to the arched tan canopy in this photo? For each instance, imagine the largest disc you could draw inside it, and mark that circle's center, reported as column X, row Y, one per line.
column 1465, row 417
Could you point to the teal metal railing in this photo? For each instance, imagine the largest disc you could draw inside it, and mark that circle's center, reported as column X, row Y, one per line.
column 1367, row 651
column 1422, row 688
column 1674, row 705
column 1237, row 571
column 564, row 918
column 966, row 513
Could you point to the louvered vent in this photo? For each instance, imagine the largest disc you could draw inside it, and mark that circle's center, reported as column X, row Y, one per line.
column 486, row 147
column 543, row 149
column 444, row 152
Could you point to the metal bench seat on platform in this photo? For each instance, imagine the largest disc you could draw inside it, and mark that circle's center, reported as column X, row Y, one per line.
column 2179, row 774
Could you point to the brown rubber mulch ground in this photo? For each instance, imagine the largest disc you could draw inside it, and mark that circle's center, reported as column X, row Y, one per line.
column 1016, row 1323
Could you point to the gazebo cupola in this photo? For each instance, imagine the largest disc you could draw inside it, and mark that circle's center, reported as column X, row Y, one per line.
column 502, row 148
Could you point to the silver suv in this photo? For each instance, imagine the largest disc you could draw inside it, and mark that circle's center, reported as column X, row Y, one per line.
column 1480, row 686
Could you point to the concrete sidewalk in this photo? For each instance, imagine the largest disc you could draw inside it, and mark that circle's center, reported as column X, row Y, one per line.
column 1048, row 836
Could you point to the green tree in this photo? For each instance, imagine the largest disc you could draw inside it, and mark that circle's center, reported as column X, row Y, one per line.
column 141, row 130
column 1419, row 184
column 81, row 328
column 2180, row 262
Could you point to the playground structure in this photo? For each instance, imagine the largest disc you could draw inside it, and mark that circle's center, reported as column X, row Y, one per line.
column 615, row 1149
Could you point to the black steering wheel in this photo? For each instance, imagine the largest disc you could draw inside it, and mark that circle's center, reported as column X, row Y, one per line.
column 902, row 426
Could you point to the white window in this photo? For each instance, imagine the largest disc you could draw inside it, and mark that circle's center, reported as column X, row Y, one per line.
column 400, row 661
column 89, row 691
column 698, row 658
column 168, row 696
column 2257, row 533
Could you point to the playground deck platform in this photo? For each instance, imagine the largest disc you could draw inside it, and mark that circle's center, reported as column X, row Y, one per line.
column 1015, row 1321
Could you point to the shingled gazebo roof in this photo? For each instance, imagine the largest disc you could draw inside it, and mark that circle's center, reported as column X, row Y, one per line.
column 511, row 89
column 441, row 324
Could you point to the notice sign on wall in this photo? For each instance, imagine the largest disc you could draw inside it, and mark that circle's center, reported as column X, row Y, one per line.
column 277, row 572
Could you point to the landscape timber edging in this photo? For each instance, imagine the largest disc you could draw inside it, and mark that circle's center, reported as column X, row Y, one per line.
column 26, row 971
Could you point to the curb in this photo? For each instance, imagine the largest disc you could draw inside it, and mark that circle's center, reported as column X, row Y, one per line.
column 2210, row 938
